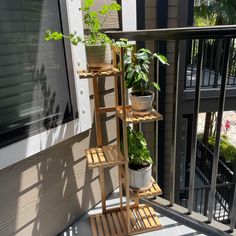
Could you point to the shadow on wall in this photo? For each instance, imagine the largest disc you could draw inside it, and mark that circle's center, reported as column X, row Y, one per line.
column 53, row 188
column 42, row 194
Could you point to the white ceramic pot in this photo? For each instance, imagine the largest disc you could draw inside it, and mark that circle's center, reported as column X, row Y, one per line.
column 141, row 178
column 141, row 104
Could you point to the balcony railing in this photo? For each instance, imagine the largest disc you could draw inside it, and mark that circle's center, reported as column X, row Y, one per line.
column 212, row 64
column 222, row 71
column 223, row 202
column 224, row 188
column 204, row 163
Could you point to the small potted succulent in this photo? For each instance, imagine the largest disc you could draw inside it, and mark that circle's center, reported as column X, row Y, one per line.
column 96, row 41
column 136, row 76
column 140, row 161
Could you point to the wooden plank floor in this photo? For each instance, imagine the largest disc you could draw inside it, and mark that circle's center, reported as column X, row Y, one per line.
column 170, row 227
column 143, row 219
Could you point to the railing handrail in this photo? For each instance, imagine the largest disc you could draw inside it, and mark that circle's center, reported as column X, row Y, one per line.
column 227, row 31
column 208, row 186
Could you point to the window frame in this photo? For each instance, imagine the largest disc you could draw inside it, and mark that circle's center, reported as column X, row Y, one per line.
column 71, row 19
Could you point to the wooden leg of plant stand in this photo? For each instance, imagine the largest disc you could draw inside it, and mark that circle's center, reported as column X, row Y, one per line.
column 96, row 112
column 120, row 187
column 103, row 189
column 136, row 202
column 125, row 143
column 99, row 140
column 127, row 195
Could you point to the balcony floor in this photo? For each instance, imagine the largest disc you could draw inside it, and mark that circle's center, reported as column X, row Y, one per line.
column 171, row 225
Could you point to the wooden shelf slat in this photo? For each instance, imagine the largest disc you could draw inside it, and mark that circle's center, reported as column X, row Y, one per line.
column 104, row 156
column 154, row 190
column 143, row 219
column 134, row 118
column 99, row 74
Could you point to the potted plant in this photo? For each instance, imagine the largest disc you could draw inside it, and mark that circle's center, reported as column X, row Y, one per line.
column 140, row 161
column 96, row 41
column 136, row 76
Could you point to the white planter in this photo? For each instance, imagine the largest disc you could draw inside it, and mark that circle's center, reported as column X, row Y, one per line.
column 141, row 104
column 141, row 178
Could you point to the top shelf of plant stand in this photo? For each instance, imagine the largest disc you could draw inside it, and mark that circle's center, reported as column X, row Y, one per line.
column 134, row 118
column 84, row 74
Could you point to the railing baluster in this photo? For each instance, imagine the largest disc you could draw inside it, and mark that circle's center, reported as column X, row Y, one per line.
column 233, row 212
column 174, row 123
column 201, row 201
column 211, row 200
column 211, row 64
column 233, row 69
column 231, row 65
column 204, row 62
column 192, row 61
column 194, row 126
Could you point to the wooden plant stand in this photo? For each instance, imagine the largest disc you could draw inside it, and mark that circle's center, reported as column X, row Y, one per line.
column 130, row 218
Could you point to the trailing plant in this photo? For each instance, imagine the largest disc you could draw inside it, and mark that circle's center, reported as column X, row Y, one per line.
column 94, row 20
column 137, row 66
column 139, row 155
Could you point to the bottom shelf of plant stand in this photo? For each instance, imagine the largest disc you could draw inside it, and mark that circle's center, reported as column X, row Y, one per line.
column 142, row 219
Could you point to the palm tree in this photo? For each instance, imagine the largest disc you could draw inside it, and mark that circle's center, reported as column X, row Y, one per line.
column 215, row 12
column 224, row 11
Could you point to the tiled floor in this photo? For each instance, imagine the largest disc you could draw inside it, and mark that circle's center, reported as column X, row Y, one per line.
column 170, row 226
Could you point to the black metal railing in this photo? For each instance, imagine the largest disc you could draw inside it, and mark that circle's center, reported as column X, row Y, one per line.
column 222, row 205
column 182, row 38
column 204, row 163
column 212, row 62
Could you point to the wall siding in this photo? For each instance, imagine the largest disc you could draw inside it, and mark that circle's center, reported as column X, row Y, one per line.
column 172, row 22
column 150, row 23
column 48, row 191
column 45, row 193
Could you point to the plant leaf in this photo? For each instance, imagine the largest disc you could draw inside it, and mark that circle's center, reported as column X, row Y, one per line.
column 155, row 85
column 161, row 58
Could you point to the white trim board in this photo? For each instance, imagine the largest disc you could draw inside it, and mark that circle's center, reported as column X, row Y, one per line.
column 129, row 15
column 27, row 147
column 75, row 25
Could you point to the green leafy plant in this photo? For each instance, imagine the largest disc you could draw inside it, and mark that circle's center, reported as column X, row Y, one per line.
column 137, row 66
column 227, row 150
column 138, row 152
column 94, row 20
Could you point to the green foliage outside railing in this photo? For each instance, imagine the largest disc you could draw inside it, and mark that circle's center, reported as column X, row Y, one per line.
column 227, row 150
column 215, row 12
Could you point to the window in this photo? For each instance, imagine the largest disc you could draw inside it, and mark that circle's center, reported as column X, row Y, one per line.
column 34, row 89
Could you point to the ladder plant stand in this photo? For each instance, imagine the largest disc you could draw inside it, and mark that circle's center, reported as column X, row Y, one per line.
column 130, row 218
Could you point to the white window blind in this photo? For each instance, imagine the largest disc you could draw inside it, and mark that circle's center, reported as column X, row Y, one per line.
column 34, row 90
